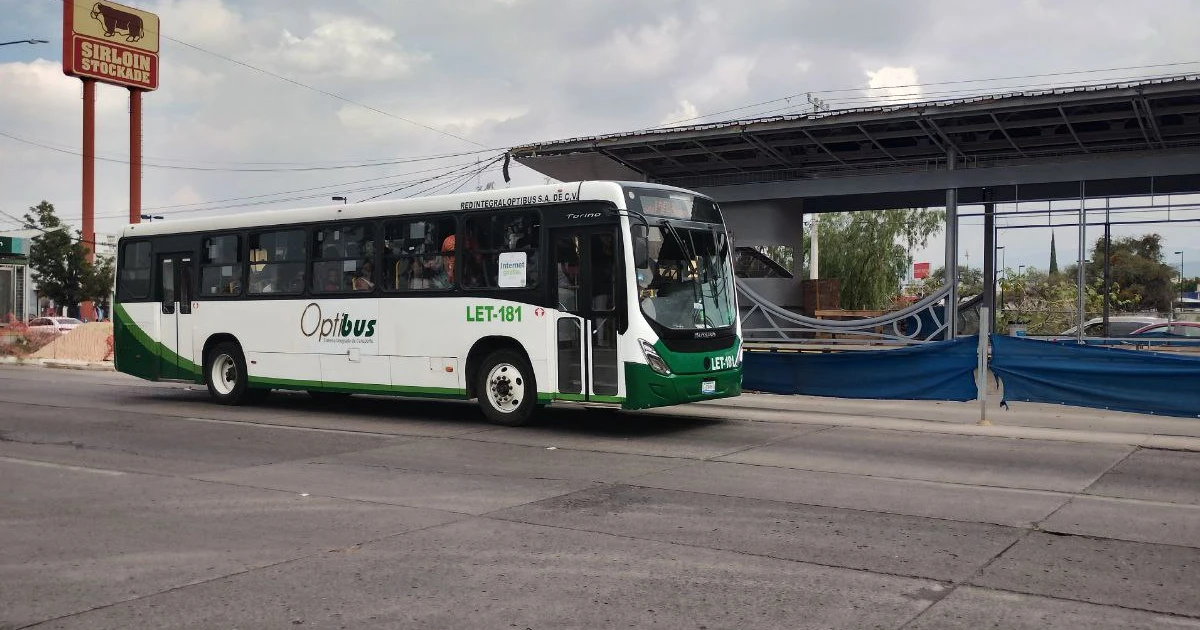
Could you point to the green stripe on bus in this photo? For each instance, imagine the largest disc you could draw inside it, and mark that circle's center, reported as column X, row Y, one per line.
column 590, row 398
column 357, row 388
column 128, row 360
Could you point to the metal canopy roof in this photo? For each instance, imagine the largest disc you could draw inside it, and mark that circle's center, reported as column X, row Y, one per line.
column 998, row 130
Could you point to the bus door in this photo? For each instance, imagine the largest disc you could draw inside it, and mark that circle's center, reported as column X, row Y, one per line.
column 175, row 285
column 584, row 285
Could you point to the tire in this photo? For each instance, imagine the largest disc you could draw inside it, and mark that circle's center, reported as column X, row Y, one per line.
column 506, row 388
column 225, row 373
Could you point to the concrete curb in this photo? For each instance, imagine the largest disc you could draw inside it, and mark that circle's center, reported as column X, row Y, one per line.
column 63, row 364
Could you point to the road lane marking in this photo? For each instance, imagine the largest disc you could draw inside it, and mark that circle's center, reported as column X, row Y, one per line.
column 33, row 462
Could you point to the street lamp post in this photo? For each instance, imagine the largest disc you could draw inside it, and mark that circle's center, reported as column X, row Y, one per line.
column 26, row 41
column 339, row 198
column 1180, row 252
column 149, row 218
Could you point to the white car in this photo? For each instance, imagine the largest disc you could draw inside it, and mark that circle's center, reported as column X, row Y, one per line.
column 54, row 324
column 1118, row 325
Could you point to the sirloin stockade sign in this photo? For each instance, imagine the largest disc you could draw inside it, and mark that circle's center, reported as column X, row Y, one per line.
column 111, row 43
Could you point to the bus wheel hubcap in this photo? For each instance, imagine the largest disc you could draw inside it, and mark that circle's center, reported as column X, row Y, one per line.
column 505, row 387
column 224, row 374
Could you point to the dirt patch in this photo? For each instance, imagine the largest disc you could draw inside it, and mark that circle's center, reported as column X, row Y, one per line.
column 89, row 342
column 17, row 340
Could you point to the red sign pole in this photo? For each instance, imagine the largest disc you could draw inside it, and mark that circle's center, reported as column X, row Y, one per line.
column 115, row 44
column 89, row 180
column 135, row 155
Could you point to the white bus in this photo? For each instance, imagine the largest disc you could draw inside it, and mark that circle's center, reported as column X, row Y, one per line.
column 598, row 292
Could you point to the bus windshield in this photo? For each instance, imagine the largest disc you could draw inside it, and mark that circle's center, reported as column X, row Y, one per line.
column 685, row 281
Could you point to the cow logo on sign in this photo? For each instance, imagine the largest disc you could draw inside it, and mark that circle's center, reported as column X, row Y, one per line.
column 115, row 20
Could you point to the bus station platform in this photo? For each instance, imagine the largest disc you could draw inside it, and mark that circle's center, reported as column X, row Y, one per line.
column 1018, row 420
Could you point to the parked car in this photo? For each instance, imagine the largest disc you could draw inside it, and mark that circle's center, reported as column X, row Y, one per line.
column 1118, row 325
column 1173, row 329
column 54, row 324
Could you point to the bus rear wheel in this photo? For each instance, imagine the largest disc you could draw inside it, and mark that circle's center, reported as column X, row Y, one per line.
column 225, row 372
column 506, row 388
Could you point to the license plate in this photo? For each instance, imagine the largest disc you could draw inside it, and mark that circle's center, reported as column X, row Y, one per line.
column 708, row 387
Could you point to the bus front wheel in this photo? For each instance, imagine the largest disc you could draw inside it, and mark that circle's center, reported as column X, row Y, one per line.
column 506, row 388
column 225, row 372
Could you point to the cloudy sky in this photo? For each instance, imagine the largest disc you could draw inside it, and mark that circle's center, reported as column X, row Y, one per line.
column 278, row 103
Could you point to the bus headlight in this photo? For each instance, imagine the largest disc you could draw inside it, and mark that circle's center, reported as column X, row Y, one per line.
column 656, row 362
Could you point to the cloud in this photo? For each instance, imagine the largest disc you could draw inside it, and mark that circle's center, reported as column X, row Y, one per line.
column 687, row 113
column 209, row 24
column 502, row 73
column 890, row 84
column 727, row 79
column 347, row 48
column 644, row 50
column 467, row 119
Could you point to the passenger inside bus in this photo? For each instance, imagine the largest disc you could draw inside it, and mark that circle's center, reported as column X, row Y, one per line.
column 333, row 280
column 568, row 285
column 263, row 281
column 472, row 261
column 448, row 247
column 364, row 280
column 418, row 277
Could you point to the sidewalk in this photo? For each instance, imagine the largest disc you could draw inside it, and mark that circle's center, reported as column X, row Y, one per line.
column 1019, row 420
column 70, row 364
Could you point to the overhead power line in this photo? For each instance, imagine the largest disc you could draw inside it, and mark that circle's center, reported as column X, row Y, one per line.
column 409, row 184
column 459, row 170
column 301, row 169
column 334, row 187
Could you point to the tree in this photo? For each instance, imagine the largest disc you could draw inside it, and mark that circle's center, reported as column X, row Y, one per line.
column 869, row 251
column 1053, row 258
column 1048, row 306
column 1136, row 266
column 60, row 265
column 970, row 281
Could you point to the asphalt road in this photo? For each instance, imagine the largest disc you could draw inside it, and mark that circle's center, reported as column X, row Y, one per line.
column 126, row 504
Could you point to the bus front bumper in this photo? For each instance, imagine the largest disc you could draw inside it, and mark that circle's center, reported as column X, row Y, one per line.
column 646, row 388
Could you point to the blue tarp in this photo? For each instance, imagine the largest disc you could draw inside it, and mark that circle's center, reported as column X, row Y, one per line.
column 933, row 371
column 1087, row 376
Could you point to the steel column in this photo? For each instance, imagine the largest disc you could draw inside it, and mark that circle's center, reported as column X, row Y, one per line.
column 951, row 252
column 1080, row 297
column 989, row 262
column 1107, row 277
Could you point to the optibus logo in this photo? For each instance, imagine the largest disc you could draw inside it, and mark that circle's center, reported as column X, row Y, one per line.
column 339, row 328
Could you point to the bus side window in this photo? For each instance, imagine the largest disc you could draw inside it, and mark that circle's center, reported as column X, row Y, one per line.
column 134, row 274
column 277, row 262
column 418, row 254
column 343, row 258
column 221, row 266
column 508, row 240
